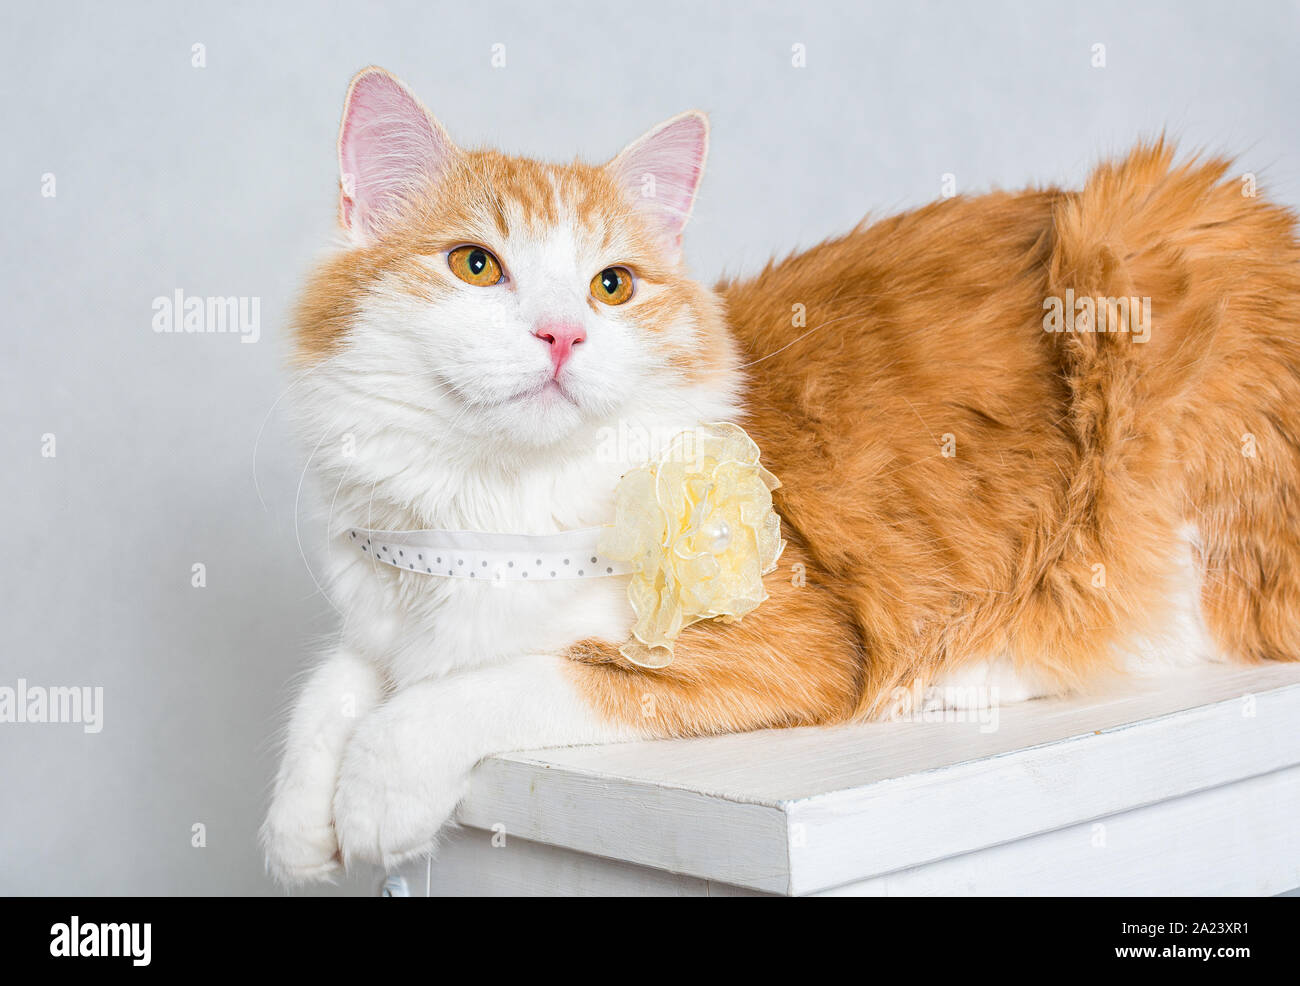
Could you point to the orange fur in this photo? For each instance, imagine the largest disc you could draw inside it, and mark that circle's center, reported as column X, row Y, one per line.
column 1072, row 450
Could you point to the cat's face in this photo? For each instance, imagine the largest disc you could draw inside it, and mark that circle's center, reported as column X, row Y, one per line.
column 503, row 300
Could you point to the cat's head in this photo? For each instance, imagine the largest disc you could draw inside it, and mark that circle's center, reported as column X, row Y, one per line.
column 500, row 301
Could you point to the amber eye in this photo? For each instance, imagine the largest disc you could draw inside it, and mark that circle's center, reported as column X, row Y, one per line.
column 613, row 285
column 474, row 265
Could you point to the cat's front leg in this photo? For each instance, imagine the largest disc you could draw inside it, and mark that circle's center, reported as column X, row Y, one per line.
column 407, row 765
column 298, row 833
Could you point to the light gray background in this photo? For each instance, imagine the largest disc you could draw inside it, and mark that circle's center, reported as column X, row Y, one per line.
column 221, row 181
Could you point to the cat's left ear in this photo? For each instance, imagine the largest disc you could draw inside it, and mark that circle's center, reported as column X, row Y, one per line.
column 660, row 173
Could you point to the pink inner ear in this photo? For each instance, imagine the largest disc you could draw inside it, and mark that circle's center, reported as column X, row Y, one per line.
column 662, row 170
column 388, row 146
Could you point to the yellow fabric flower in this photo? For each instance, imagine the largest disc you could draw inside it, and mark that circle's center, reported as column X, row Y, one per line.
column 699, row 530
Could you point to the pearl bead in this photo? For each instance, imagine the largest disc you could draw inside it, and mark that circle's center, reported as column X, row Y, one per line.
column 718, row 536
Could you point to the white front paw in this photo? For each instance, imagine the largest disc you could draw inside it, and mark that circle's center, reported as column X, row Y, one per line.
column 299, row 843
column 393, row 795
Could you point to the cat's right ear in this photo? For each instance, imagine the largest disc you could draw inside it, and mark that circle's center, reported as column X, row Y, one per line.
column 389, row 147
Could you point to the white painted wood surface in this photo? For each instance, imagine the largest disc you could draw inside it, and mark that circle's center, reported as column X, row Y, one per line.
column 1185, row 784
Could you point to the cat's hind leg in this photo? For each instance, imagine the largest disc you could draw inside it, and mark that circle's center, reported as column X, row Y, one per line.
column 1247, row 503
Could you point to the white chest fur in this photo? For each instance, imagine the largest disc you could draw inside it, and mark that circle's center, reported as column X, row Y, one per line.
column 417, row 625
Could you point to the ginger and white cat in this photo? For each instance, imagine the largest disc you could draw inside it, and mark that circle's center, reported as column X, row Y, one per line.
column 975, row 489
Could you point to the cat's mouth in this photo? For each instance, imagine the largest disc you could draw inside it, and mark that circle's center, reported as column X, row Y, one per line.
column 550, row 391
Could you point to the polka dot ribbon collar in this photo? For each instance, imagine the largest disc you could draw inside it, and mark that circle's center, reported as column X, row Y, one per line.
column 695, row 529
column 491, row 557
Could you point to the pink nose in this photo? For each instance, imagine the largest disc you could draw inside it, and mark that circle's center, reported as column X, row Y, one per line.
column 561, row 337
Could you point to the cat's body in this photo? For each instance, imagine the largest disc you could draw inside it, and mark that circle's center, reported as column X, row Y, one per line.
column 967, row 498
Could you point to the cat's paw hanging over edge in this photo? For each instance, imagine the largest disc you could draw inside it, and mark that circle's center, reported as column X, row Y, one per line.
column 391, row 800
column 298, row 850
